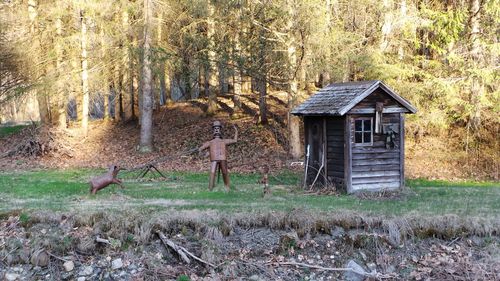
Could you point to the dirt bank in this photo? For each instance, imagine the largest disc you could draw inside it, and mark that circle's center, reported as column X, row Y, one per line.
column 259, row 246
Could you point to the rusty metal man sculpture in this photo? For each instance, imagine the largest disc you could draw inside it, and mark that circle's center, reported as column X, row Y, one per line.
column 218, row 154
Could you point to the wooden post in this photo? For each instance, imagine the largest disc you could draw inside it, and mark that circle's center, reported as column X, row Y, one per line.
column 347, row 154
column 307, row 152
column 325, row 152
column 402, row 149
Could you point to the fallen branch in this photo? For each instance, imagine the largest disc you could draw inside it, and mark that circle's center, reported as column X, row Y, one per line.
column 169, row 243
column 102, row 240
column 374, row 275
column 181, row 250
column 315, row 266
column 197, row 258
column 57, row 257
column 453, row 241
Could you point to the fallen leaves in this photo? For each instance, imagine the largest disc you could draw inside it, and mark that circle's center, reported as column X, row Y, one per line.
column 177, row 129
column 444, row 262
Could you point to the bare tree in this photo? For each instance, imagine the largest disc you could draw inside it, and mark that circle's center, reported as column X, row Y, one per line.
column 293, row 121
column 211, row 68
column 476, row 88
column 146, row 137
column 43, row 106
column 85, row 75
column 61, row 95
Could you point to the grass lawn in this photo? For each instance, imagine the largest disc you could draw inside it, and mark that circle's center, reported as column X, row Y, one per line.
column 68, row 190
column 8, row 130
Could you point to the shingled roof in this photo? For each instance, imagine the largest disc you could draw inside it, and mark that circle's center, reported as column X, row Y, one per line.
column 338, row 98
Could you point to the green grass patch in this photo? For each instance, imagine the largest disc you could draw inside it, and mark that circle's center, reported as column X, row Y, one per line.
column 9, row 130
column 68, row 190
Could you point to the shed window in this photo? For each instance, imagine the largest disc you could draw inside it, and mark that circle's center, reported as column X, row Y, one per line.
column 363, row 131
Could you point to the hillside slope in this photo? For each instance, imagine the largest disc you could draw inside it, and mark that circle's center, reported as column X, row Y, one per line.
column 177, row 129
column 184, row 126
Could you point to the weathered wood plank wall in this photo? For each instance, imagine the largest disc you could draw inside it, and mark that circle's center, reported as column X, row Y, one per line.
column 335, row 148
column 377, row 167
column 378, row 96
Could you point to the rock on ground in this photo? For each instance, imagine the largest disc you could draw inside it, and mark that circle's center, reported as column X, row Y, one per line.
column 69, row 266
column 116, row 264
column 11, row 276
column 87, row 270
column 354, row 275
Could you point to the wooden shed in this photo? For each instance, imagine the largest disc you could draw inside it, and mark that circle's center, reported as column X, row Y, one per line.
column 354, row 136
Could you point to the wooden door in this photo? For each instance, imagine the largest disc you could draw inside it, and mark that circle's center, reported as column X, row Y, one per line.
column 315, row 140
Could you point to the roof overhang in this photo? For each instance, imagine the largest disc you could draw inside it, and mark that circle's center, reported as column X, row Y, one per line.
column 407, row 106
column 370, row 90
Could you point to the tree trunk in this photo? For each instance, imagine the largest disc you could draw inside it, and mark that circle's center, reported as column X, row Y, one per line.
column 76, row 90
column 477, row 88
column 117, row 88
column 223, row 85
column 262, row 82
column 262, row 78
column 43, row 107
column 387, row 25
column 61, row 96
column 293, row 121
column 211, row 71
column 105, row 93
column 237, row 77
column 161, row 71
column 146, row 138
column 403, row 18
column 206, row 81
column 237, row 90
column 133, row 86
column 126, row 71
column 328, row 13
column 105, row 78
column 163, row 85
column 140, row 92
column 85, row 75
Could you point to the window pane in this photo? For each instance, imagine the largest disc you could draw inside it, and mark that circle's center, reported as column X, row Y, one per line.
column 368, row 125
column 357, row 126
column 357, row 137
column 367, row 138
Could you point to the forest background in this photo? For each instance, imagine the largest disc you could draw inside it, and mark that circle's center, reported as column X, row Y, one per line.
column 65, row 62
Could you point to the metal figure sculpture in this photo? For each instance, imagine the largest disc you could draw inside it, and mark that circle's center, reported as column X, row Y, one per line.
column 218, row 154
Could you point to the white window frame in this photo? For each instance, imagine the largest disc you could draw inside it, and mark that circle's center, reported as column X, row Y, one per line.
column 363, row 131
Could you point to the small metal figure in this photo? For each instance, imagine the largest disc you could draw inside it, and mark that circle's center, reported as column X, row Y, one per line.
column 264, row 170
column 218, row 154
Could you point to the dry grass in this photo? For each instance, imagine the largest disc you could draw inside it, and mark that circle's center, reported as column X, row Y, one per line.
column 215, row 225
column 249, row 239
column 444, row 158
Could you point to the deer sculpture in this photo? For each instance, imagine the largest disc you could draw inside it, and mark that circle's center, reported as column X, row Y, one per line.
column 108, row 178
